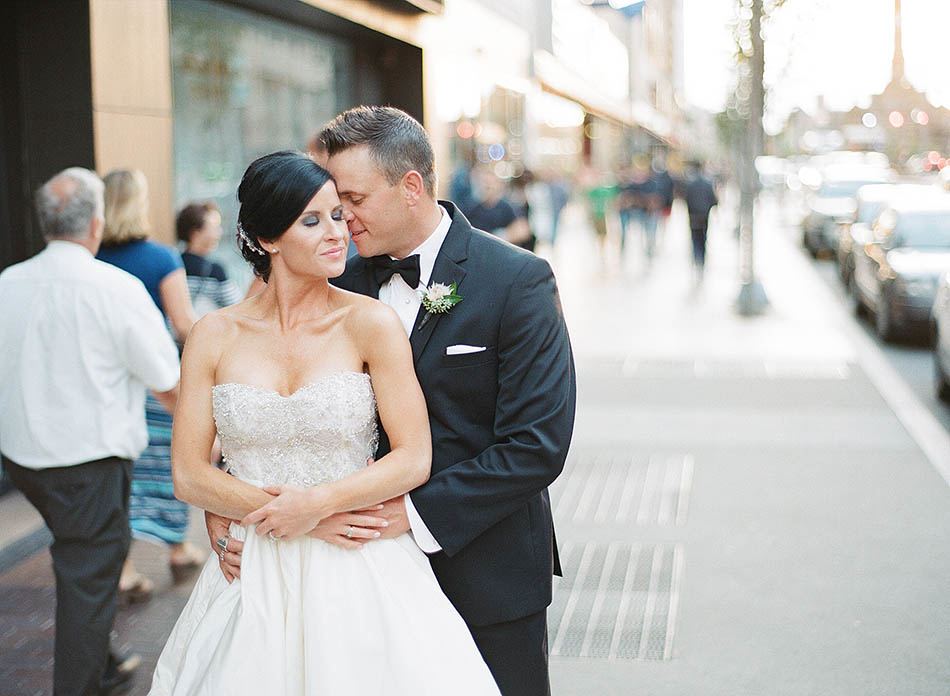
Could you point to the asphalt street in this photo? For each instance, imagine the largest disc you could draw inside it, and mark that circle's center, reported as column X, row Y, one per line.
column 911, row 357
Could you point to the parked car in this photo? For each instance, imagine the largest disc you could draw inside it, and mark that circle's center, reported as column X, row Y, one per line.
column 834, row 203
column 856, row 231
column 941, row 328
column 772, row 171
column 896, row 273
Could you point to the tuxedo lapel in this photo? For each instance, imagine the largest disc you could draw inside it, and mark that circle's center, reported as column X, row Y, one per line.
column 447, row 270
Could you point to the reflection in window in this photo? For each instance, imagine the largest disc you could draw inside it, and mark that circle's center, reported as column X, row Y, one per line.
column 245, row 85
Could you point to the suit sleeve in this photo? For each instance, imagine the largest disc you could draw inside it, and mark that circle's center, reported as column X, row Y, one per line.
column 534, row 420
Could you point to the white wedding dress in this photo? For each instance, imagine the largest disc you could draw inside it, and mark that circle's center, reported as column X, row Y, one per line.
column 307, row 617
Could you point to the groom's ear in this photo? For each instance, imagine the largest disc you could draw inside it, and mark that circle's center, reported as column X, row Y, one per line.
column 413, row 188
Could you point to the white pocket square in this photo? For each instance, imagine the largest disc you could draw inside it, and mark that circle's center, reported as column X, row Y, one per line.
column 464, row 350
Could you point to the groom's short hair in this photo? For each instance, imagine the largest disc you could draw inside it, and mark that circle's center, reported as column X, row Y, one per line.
column 397, row 142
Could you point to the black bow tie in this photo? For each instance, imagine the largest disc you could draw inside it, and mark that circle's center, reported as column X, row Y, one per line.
column 385, row 268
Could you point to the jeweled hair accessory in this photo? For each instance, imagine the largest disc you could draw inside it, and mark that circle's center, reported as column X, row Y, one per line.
column 244, row 239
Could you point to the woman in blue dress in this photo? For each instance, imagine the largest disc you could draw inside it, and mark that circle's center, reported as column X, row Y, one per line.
column 155, row 514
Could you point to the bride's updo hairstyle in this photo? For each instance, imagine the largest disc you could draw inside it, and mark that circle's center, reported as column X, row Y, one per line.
column 273, row 193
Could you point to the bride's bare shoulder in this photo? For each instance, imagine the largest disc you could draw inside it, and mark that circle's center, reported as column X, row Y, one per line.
column 216, row 330
column 367, row 314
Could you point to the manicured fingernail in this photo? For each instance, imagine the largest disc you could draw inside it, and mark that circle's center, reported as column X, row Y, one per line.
column 385, row 523
column 376, row 535
column 379, row 507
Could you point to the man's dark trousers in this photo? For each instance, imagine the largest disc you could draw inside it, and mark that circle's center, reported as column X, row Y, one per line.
column 698, row 235
column 517, row 654
column 86, row 507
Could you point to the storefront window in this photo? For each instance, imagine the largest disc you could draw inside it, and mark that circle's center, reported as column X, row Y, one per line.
column 245, row 85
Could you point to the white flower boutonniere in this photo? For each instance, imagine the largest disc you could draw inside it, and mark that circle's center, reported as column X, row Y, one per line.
column 438, row 298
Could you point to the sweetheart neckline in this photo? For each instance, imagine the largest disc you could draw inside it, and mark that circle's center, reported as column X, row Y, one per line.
column 309, row 385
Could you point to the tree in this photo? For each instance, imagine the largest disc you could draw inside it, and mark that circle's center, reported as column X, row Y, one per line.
column 750, row 107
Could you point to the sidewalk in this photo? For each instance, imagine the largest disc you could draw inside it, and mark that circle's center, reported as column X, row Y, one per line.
column 744, row 511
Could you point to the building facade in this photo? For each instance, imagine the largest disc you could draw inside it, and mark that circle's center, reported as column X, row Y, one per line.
column 190, row 91
column 187, row 91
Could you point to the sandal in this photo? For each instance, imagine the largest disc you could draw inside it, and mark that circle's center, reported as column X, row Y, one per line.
column 192, row 560
column 139, row 591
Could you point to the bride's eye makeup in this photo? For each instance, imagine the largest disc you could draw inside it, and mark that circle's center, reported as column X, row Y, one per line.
column 337, row 213
column 310, row 220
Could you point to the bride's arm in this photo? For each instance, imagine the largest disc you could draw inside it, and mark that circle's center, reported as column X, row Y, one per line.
column 402, row 410
column 196, row 480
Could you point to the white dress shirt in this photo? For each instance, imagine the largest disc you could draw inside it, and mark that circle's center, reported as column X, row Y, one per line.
column 81, row 340
column 406, row 301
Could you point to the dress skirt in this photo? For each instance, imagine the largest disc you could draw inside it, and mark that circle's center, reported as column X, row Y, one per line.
column 155, row 514
column 309, row 618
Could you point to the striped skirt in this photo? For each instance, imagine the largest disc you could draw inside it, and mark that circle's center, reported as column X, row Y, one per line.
column 155, row 514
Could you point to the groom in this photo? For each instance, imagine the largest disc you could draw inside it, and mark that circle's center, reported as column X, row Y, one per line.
column 498, row 375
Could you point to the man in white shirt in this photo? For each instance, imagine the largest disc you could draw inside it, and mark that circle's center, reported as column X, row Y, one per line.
column 81, row 341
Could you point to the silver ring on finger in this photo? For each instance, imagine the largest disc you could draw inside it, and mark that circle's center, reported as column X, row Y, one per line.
column 349, row 532
column 272, row 536
column 221, row 556
column 222, row 542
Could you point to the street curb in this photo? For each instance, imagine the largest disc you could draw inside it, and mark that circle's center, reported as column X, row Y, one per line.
column 922, row 426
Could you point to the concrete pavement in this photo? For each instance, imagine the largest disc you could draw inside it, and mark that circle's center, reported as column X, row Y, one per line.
column 745, row 510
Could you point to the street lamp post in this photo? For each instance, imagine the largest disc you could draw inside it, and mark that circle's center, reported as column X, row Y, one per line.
column 752, row 299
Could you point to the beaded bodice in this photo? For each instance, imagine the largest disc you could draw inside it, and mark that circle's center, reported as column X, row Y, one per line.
column 322, row 432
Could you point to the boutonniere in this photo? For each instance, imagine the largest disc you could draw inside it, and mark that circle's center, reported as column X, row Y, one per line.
column 438, row 298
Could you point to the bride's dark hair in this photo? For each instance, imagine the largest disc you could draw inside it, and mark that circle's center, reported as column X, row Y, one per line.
column 274, row 191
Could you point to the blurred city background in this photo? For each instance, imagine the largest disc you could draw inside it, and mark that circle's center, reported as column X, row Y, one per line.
column 747, row 206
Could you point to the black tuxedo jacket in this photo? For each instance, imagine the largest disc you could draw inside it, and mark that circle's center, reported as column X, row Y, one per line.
column 501, row 421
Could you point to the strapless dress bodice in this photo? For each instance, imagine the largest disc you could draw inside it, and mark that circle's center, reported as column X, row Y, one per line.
column 322, row 432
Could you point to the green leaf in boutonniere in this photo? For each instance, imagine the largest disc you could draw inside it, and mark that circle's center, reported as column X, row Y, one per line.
column 438, row 298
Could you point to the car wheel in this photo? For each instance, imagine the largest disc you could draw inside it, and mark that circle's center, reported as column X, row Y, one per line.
column 842, row 272
column 860, row 310
column 807, row 243
column 942, row 386
column 883, row 322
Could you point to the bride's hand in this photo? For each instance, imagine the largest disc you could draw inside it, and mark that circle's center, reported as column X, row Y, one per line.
column 293, row 513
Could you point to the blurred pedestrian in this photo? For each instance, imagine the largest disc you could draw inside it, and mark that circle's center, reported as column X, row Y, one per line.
column 520, row 200
column 559, row 191
column 601, row 194
column 665, row 186
column 495, row 214
column 81, row 341
column 461, row 188
column 156, row 515
column 642, row 202
column 199, row 226
column 700, row 200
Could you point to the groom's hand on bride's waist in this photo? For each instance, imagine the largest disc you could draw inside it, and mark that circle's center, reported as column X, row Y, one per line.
column 348, row 530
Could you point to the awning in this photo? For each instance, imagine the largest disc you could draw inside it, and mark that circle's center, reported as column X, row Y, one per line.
column 560, row 80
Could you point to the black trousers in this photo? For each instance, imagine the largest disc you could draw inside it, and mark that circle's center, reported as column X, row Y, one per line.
column 699, row 245
column 86, row 507
column 517, row 654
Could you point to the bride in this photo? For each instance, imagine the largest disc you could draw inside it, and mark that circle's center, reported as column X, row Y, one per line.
column 290, row 380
